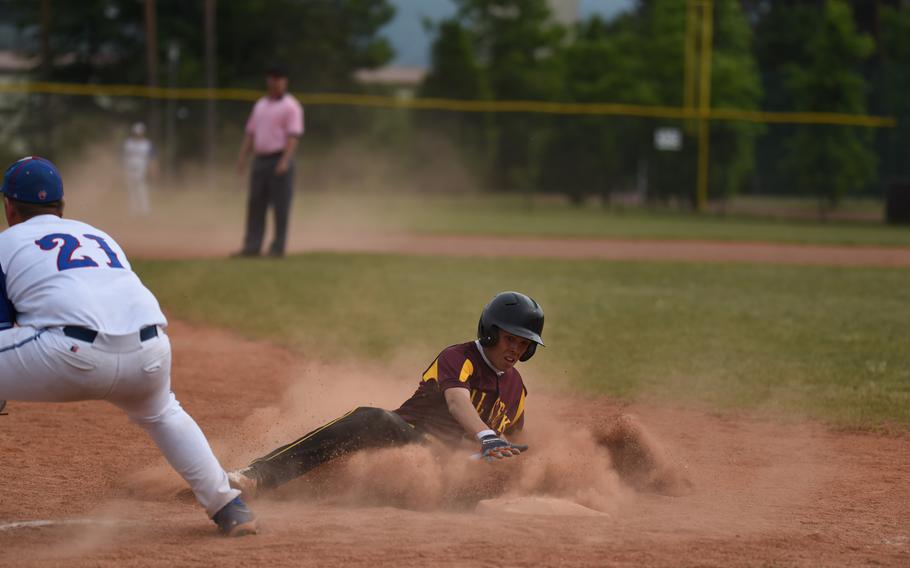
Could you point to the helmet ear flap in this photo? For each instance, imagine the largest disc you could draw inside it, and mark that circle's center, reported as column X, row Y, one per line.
column 529, row 352
column 487, row 336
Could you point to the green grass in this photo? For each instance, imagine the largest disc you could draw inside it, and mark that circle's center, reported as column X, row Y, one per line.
column 549, row 216
column 827, row 343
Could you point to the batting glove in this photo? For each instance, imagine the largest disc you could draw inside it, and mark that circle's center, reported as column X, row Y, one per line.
column 492, row 446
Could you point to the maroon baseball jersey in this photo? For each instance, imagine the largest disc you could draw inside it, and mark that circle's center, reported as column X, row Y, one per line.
column 499, row 400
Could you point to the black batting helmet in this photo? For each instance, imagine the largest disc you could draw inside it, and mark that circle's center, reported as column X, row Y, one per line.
column 514, row 313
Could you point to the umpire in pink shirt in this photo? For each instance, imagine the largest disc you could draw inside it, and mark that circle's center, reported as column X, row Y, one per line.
column 272, row 133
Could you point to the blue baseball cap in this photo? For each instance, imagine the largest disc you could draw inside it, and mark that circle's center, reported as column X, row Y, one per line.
column 34, row 180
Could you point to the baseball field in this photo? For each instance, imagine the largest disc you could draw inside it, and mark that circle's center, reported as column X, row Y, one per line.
column 767, row 360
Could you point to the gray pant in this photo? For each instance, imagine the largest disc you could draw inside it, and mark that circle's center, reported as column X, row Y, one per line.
column 268, row 188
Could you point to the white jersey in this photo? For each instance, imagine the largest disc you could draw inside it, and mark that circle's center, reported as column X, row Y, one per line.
column 137, row 155
column 59, row 272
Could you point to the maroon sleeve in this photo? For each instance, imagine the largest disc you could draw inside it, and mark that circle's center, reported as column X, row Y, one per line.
column 454, row 369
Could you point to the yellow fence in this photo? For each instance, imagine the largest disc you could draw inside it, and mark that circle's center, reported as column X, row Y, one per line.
column 540, row 107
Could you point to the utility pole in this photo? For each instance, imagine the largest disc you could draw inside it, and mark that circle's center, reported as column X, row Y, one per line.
column 210, row 84
column 45, row 38
column 45, row 139
column 698, row 51
column 151, row 65
column 704, row 102
column 170, row 123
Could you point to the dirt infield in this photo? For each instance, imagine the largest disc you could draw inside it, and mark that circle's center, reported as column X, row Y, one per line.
column 82, row 487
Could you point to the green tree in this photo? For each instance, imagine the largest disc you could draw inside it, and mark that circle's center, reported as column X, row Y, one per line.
column 735, row 84
column 457, row 74
column 893, row 86
column 638, row 59
column 321, row 42
column 517, row 45
column 455, row 71
column 588, row 155
column 813, row 56
column 104, row 40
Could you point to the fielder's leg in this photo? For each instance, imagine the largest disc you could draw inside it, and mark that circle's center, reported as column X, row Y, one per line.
column 360, row 429
column 144, row 393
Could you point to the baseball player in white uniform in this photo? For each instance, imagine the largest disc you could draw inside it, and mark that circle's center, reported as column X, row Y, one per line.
column 138, row 161
column 76, row 323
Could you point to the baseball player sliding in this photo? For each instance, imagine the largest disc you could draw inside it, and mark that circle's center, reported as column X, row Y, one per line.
column 77, row 324
column 471, row 389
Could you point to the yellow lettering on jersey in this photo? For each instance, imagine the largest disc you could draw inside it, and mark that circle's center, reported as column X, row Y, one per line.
column 466, row 370
column 503, row 424
column 521, row 406
column 432, row 373
column 497, row 410
column 479, row 405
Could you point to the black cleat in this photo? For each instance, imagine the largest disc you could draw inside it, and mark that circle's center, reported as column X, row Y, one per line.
column 235, row 519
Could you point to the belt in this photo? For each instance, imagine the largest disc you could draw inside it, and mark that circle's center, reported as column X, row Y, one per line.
column 270, row 156
column 88, row 335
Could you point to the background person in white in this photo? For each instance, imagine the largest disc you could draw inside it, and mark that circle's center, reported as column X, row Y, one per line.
column 77, row 324
column 272, row 133
column 138, row 163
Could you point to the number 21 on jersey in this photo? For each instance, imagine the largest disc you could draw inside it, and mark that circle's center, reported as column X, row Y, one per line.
column 68, row 245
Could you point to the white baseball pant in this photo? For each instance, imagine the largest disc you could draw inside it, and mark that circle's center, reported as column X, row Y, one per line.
column 44, row 365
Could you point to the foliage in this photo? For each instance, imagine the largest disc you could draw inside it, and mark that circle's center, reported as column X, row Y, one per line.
column 516, row 46
column 103, row 41
column 638, row 59
column 892, row 86
column 456, row 73
column 817, row 55
column 736, row 84
column 591, row 154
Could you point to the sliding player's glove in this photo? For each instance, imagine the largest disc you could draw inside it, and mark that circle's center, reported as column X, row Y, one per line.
column 492, row 446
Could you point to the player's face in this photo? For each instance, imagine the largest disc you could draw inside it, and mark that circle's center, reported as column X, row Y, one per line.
column 276, row 86
column 507, row 350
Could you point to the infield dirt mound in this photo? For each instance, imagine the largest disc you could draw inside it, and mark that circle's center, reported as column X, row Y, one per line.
column 762, row 493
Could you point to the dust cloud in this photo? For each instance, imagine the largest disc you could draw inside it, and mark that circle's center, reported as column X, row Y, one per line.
column 347, row 190
column 599, row 468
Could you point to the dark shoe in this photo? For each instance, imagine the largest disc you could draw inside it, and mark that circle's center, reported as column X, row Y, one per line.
column 244, row 254
column 276, row 253
column 235, row 519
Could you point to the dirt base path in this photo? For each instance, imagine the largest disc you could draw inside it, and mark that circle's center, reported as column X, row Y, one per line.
column 615, row 249
column 142, row 244
column 82, row 487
